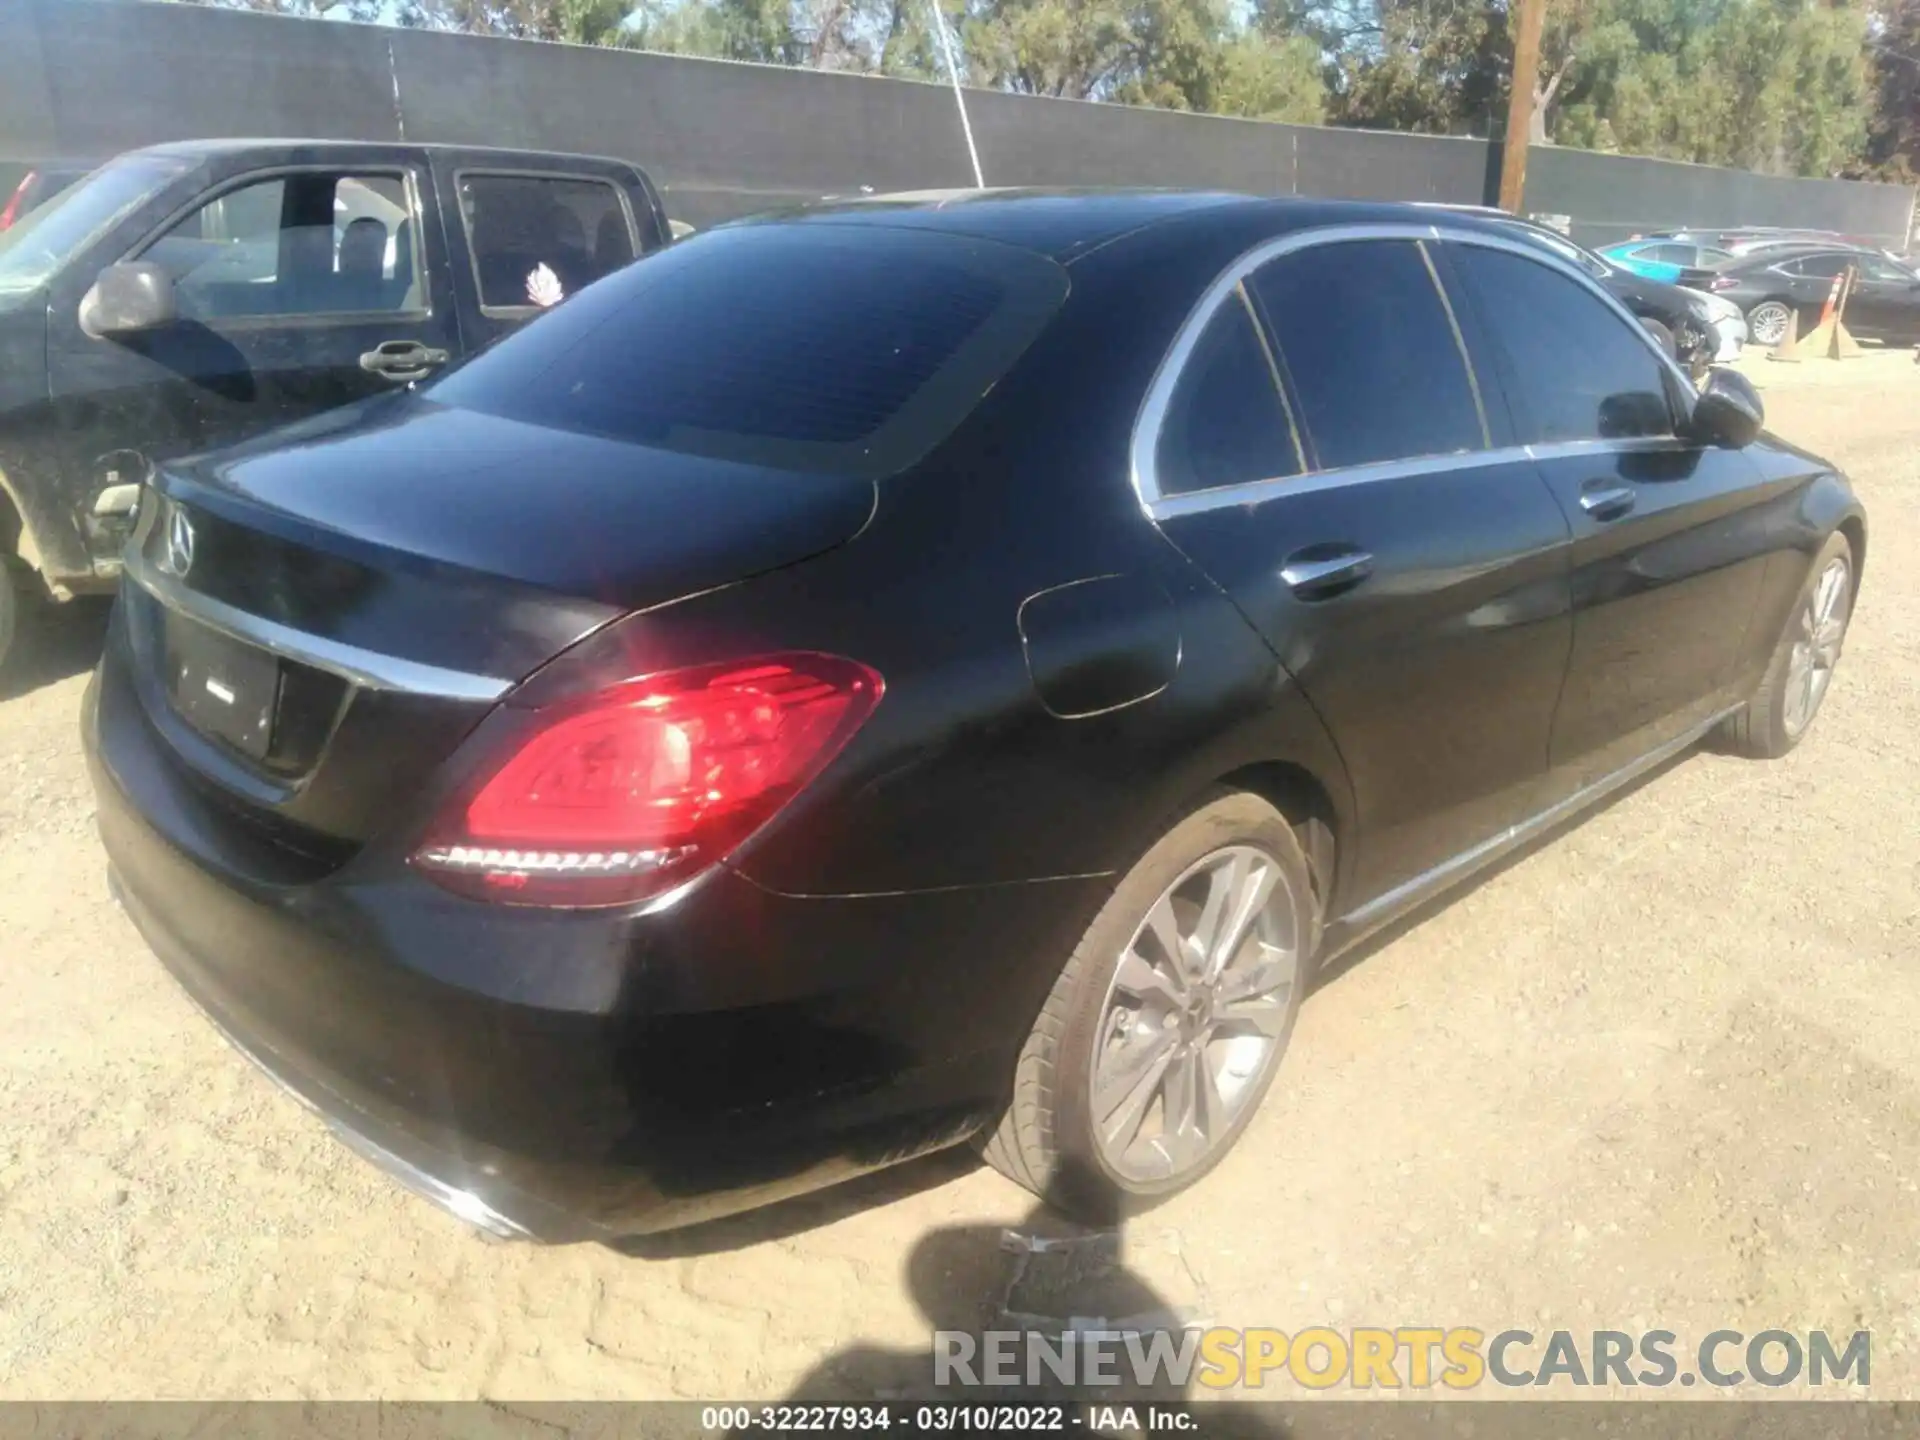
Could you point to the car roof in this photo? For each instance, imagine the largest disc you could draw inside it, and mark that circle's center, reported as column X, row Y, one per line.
column 1774, row 254
column 1064, row 224
column 229, row 145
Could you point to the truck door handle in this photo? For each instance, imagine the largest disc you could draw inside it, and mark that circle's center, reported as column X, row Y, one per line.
column 401, row 359
column 1604, row 501
column 1319, row 572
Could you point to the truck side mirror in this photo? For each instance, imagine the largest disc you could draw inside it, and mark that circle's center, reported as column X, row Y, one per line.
column 128, row 298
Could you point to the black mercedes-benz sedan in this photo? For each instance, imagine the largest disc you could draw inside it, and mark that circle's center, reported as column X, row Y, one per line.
column 922, row 672
column 1774, row 285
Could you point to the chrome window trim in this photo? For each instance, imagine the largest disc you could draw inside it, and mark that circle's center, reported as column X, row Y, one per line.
column 1153, row 409
column 365, row 668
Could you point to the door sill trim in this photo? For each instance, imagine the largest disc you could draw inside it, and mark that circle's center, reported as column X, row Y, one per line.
column 1357, row 924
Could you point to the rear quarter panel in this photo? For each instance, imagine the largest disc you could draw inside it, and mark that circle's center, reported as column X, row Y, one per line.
column 970, row 773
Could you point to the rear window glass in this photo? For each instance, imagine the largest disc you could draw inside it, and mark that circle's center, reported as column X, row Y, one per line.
column 851, row 348
column 529, row 231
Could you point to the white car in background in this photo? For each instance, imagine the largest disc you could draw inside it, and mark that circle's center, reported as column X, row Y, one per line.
column 1727, row 322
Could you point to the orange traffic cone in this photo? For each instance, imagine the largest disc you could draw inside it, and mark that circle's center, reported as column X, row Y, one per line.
column 1845, row 347
column 1819, row 340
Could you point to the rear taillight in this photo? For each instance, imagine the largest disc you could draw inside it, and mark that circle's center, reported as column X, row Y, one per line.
column 626, row 794
column 11, row 211
column 1724, row 282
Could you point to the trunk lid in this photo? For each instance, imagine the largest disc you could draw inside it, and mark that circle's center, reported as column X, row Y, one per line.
column 318, row 619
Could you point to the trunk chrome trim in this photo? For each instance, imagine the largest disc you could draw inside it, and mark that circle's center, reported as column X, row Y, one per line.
column 1383, row 911
column 365, row 668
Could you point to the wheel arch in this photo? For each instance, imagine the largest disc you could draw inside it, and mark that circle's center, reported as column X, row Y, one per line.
column 1855, row 529
column 1298, row 794
column 16, row 535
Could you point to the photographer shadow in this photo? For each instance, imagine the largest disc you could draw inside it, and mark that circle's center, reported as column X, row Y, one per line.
column 1017, row 1315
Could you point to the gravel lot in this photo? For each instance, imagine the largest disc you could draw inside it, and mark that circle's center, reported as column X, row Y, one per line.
column 1660, row 1071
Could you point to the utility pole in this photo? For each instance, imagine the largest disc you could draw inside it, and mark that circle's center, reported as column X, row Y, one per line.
column 1526, row 16
column 959, row 95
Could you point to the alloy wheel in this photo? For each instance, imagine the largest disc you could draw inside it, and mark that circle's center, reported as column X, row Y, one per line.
column 1768, row 322
column 1820, row 631
column 1197, row 1014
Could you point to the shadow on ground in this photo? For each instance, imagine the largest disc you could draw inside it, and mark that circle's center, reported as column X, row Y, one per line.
column 54, row 643
column 1061, row 1284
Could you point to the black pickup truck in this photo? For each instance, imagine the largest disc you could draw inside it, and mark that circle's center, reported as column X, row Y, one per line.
column 187, row 296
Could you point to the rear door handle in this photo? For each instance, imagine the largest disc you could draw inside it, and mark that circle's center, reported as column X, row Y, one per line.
column 1607, row 502
column 402, row 359
column 1320, row 572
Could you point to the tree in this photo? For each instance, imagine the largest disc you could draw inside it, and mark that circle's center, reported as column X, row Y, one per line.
column 1893, row 146
column 1266, row 79
column 366, row 11
column 580, row 22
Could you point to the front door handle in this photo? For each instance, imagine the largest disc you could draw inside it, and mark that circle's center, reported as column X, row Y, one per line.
column 401, row 359
column 1320, row 572
column 1607, row 502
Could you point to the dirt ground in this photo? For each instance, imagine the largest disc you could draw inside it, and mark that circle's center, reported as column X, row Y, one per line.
column 1660, row 1071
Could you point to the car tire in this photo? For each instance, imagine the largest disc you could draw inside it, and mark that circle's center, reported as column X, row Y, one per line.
column 1801, row 670
column 1769, row 319
column 1049, row 1139
column 11, row 597
column 1664, row 336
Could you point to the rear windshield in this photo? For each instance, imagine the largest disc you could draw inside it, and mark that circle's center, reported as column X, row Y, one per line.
column 43, row 239
column 812, row 346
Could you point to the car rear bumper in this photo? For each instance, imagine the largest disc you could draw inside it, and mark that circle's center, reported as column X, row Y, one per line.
column 583, row 1074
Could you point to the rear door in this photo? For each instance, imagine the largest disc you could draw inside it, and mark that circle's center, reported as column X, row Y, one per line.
column 1324, row 452
column 1668, row 552
column 1809, row 280
column 530, row 230
column 1886, row 300
column 300, row 287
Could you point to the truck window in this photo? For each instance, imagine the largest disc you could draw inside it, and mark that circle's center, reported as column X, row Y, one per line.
column 45, row 239
column 300, row 244
column 537, row 239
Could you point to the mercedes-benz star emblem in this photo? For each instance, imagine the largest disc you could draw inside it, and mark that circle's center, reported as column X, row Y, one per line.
column 178, row 558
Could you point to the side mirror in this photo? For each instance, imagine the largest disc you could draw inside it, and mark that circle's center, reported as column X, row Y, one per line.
column 129, row 297
column 1728, row 413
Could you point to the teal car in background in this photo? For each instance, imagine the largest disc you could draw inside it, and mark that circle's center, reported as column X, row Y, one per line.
column 1664, row 259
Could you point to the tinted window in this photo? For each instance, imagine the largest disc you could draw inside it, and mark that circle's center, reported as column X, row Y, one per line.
column 304, row 244
column 537, row 240
column 1885, row 271
column 1226, row 423
column 850, row 348
column 1370, row 352
column 1820, row 267
column 1668, row 254
column 1564, row 248
column 1578, row 370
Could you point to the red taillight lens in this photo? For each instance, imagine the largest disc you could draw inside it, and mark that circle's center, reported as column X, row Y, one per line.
column 11, row 211
column 644, row 785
